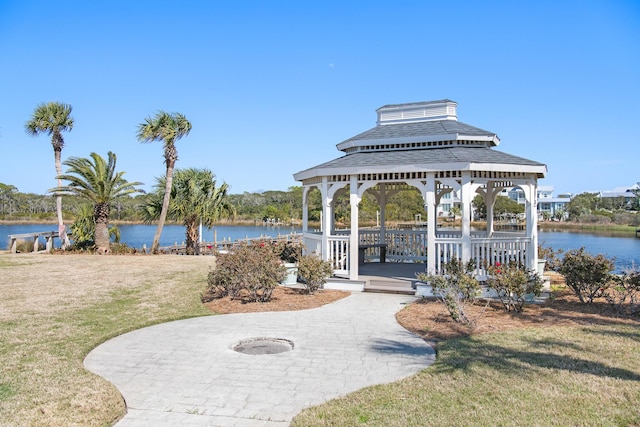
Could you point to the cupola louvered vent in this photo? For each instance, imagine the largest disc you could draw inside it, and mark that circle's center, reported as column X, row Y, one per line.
column 417, row 112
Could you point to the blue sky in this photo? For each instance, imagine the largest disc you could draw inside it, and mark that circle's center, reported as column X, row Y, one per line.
column 272, row 86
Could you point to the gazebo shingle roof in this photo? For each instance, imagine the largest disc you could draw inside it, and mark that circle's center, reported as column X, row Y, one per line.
column 415, row 138
column 416, row 129
column 428, row 159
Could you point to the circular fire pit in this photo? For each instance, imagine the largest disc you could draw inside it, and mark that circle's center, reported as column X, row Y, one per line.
column 257, row 346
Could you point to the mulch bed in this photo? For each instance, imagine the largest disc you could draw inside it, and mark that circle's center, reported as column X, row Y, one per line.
column 282, row 299
column 431, row 320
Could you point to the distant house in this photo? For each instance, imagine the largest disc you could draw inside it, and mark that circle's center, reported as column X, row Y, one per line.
column 625, row 195
column 553, row 206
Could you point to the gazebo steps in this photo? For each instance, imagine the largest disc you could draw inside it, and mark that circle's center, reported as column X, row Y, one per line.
column 389, row 286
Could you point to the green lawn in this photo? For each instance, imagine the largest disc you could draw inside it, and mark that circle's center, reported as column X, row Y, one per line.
column 563, row 376
column 54, row 309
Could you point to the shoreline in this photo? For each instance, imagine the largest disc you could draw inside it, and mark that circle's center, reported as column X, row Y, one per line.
column 544, row 226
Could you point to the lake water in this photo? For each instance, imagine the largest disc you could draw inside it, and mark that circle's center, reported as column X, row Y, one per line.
column 138, row 235
column 625, row 249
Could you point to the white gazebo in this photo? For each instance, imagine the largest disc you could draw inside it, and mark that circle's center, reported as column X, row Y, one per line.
column 424, row 146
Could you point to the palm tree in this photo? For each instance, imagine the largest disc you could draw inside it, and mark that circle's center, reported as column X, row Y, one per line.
column 168, row 128
column 195, row 200
column 96, row 181
column 53, row 118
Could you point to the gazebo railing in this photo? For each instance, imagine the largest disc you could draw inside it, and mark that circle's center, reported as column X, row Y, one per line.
column 411, row 246
column 338, row 251
column 339, row 254
column 498, row 251
column 484, row 252
column 406, row 245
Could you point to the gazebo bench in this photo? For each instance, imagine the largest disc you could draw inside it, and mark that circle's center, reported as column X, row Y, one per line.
column 383, row 251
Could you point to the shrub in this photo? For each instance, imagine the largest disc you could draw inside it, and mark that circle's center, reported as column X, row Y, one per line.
column 313, row 272
column 625, row 288
column 288, row 251
column 587, row 275
column 552, row 256
column 512, row 283
column 455, row 289
column 250, row 271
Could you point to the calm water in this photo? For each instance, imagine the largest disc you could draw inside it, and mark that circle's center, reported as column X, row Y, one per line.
column 626, row 250
column 138, row 235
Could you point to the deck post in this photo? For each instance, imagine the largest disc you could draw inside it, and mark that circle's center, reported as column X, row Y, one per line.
column 430, row 207
column 466, row 216
column 531, row 211
column 354, row 236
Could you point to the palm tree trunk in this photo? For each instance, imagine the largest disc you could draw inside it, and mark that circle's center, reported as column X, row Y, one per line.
column 61, row 229
column 165, row 208
column 101, row 238
column 193, row 245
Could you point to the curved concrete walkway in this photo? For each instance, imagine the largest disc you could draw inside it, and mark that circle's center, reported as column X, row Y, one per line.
column 186, row 373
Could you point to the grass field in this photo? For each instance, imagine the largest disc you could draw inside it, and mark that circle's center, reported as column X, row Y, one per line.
column 55, row 308
column 580, row 376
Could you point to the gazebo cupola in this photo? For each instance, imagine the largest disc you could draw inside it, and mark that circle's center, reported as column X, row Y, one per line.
column 422, row 145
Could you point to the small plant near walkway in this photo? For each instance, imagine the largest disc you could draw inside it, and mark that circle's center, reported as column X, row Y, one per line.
column 512, row 284
column 587, row 275
column 313, row 272
column 455, row 289
column 251, row 272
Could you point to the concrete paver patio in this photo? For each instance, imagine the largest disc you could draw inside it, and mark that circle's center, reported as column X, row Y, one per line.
column 186, row 372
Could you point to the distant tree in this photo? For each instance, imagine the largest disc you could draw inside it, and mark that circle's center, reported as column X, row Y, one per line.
column 168, row 128
column 505, row 205
column 96, row 181
column 53, row 118
column 195, row 200
column 479, row 206
column 559, row 214
column 582, row 204
column 455, row 212
column 8, row 195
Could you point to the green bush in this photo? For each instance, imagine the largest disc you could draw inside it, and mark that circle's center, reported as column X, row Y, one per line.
column 624, row 292
column 587, row 275
column 455, row 289
column 251, row 271
column 551, row 256
column 512, row 284
column 288, row 251
column 313, row 272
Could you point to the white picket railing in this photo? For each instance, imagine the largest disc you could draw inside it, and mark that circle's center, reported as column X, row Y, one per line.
column 339, row 254
column 498, row 251
column 411, row 246
column 485, row 252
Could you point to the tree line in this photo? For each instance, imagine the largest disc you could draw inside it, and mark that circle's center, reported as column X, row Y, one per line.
column 95, row 191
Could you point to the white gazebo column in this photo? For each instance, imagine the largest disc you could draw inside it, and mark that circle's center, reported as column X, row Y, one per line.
column 327, row 216
column 382, row 204
column 354, row 236
column 430, row 207
column 305, row 209
column 465, row 199
column 531, row 213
